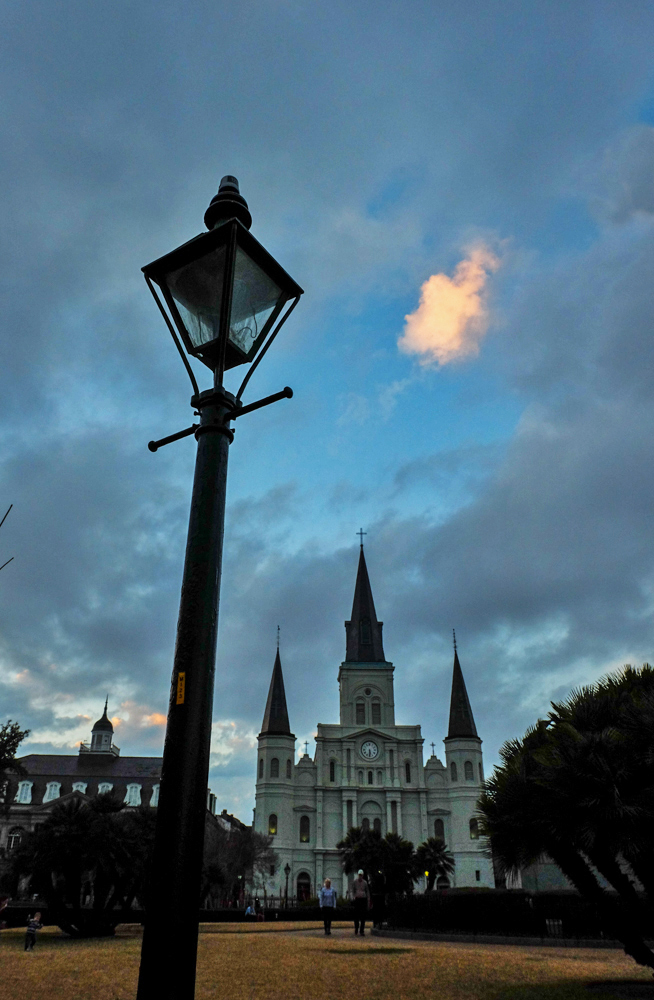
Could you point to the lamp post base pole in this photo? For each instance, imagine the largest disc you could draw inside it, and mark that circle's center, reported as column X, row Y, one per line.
column 169, row 951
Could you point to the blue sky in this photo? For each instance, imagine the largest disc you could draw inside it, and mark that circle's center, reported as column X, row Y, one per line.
column 505, row 493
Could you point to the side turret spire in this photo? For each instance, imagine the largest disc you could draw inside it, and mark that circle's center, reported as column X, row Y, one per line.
column 462, row 721
column 363, row 632
column 275, row 718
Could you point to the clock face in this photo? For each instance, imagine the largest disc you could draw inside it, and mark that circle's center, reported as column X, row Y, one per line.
column 369, row 750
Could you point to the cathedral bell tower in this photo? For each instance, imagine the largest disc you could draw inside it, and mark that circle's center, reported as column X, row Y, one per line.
column 275, row 765
column 465, row 775
column 365, row 678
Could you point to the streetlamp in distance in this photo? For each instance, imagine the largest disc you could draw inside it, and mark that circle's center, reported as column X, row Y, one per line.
column 287, row 872
column 224, row 298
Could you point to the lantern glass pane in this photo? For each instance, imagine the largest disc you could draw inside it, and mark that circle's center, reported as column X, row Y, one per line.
column 197, row 289
column 254, row 298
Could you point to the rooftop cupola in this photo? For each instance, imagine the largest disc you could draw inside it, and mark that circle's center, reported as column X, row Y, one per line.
column 101, row 736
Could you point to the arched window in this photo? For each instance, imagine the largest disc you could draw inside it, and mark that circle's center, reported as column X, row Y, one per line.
column 370, row 777
column 360, row 777
column 272, row 824
column 474, row 829
column 288, row 768
column 24, row 792
column 332, row 770
column 439, row 829
column 52, row 791
column 361, row 713
column 365, row 825
column 133, row 795
column 453, row 774
column 392, row 764
column 305, row 830
column 154, row 798
column 79, row 786
column 104, row 787
column 274, row 767
column 481, row 772
column 468, row 772
column 380, row 778
column 16, row 834
column 261, row 767
column 407, row 771
column 377, row 825
column 364, row 626
column 303, row 887
column 376, row 713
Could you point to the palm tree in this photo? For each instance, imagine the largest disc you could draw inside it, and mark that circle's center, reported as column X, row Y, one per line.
column 389, row 862
column 435, row 860
column 567, row 790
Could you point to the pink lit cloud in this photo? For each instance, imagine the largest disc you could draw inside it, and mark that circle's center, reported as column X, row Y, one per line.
column 452, row 316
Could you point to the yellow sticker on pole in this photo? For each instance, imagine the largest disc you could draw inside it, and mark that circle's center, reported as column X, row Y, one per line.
column 181, row 688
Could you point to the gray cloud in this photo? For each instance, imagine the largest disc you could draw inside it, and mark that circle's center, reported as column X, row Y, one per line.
column 369, row 147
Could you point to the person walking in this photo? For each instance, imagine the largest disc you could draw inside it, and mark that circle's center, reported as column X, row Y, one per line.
column 361, row 899
column 33, row 925
column 327, row 900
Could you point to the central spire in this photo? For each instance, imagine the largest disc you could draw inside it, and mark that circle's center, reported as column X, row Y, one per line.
column 275, row 718
column 363, row 632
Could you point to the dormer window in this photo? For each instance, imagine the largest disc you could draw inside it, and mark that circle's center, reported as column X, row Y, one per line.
column 24, row 793
column 52, row 791
column 366, row 636
column 133, row 795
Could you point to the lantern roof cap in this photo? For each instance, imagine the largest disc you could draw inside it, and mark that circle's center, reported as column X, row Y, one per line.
column 229, row 203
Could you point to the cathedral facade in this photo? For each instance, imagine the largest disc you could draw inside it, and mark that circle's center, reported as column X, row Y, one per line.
column 367, row 770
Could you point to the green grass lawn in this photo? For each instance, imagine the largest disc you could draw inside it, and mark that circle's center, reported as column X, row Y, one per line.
column 262, row 962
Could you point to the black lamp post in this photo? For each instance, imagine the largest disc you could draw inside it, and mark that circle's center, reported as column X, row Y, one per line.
column 226, row 297
column 287, row 872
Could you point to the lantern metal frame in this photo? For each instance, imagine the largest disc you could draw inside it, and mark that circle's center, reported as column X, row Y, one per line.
column 220, row 354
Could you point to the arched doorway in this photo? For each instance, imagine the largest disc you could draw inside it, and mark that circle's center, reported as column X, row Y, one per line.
column 443, row 882
column 303, row 887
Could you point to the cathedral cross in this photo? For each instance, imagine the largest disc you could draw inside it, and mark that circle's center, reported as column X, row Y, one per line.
column 433, row 749
column 361, row 533
column 306, row 746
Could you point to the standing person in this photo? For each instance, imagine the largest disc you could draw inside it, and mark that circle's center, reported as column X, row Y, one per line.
column 361, row 898
column 327, row 900
column 33, row 925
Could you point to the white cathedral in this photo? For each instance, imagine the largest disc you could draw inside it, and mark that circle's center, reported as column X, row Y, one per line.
column 367, row 771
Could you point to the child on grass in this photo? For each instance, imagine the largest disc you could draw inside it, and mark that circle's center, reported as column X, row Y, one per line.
column 33, row 925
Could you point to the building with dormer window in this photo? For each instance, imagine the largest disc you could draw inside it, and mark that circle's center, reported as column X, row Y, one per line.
column 367, row 771
column 97, row 769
